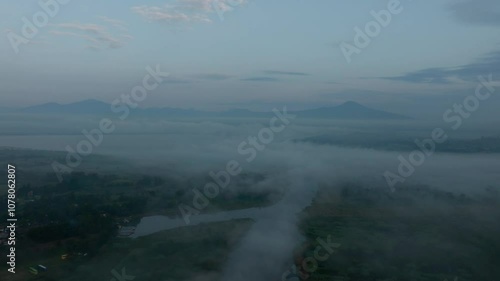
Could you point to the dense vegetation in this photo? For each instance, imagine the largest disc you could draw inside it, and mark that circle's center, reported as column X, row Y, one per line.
column 417, row 234
column 80, row 216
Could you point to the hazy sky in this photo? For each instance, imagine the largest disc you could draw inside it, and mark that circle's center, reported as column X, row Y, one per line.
column 262, row 53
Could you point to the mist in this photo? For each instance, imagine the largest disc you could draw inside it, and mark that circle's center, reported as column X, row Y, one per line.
column 290, row 170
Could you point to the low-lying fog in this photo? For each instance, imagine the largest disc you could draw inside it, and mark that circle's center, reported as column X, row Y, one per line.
column 190, row 147
column 193, row 148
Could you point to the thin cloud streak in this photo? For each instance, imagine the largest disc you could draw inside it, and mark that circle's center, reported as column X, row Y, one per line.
column 99, row 35
column 441, row 75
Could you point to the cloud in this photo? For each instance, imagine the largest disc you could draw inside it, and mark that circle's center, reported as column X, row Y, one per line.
column 489, row 64
column 168, row 14
column 276, row 72
column 428, row 75
column 186, row 11
column 116, row 23
column 91, row 28
column 212, row 76
column 202, row 5
column 112, row 35
column 485, row 12
column 73, row 34
column 261, row 79
column 176, row 80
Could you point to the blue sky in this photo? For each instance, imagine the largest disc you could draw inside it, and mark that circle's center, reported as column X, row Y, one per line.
column 262, row 54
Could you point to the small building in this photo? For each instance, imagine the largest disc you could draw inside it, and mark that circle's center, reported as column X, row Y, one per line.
column 42, row 267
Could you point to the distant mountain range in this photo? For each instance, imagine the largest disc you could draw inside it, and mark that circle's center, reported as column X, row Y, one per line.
column 348, row 110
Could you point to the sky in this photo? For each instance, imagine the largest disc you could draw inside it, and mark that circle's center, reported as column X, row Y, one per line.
column 251, row 54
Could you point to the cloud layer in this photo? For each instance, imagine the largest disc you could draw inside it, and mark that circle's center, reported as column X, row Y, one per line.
column 186, row 11
column 489, row 64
